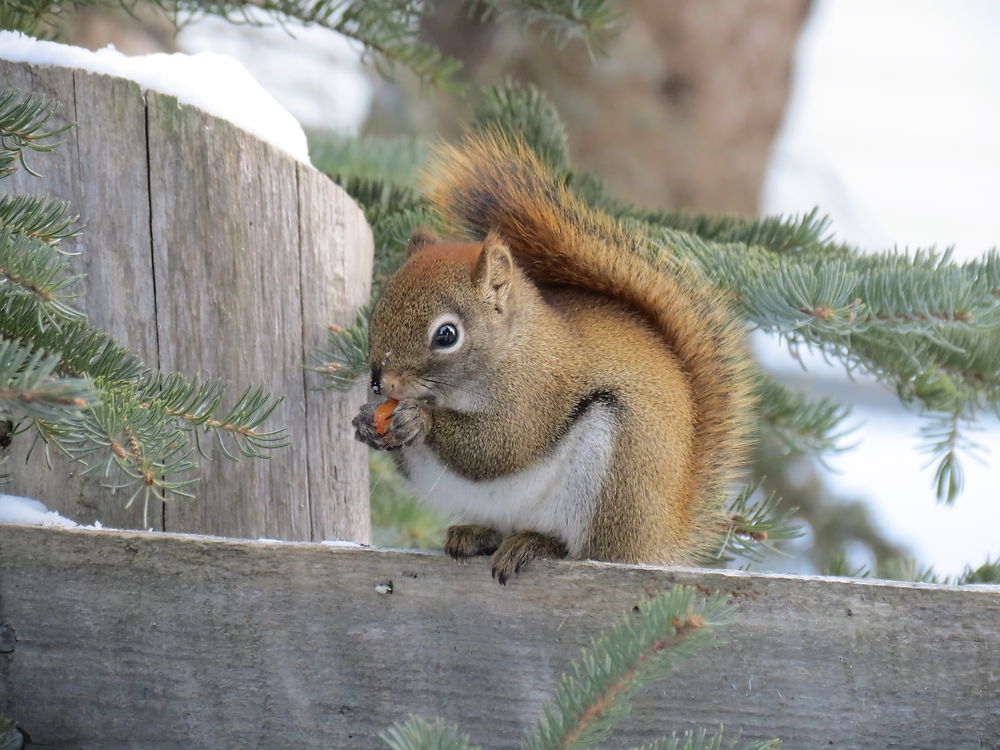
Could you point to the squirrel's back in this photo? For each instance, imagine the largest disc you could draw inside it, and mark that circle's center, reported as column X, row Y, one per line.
column 490, row 183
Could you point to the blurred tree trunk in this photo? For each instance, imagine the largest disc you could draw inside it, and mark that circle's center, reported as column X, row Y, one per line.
column 140, row 32
column 679, row 112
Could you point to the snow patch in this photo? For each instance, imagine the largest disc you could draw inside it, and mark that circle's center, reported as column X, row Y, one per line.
column 28, row 512
column 214, row 83
column 313, row 72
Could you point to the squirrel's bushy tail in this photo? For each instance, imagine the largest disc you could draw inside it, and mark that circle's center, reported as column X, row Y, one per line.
column 490, row 182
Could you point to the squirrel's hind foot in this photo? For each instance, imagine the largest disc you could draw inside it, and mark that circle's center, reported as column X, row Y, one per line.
column 520, row 548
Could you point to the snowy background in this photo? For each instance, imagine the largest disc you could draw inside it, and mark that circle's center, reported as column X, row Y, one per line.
column 893, row 128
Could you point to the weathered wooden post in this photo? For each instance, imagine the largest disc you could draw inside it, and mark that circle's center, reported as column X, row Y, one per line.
column 212, row 253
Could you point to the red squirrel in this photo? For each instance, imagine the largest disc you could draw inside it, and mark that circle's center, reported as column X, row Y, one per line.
column 559, row 393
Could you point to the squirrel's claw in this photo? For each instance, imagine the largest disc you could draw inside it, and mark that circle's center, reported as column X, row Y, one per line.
column 519, row 549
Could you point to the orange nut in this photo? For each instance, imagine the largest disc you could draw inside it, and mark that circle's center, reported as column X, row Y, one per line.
column 383, row 415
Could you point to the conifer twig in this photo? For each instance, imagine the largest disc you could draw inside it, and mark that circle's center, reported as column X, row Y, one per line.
column 595, row 693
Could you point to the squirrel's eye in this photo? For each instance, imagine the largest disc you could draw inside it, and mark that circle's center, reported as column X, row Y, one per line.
column 445, row 337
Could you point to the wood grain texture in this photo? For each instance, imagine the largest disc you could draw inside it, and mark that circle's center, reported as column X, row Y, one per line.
column 100, row 168
column 336, row 270
column 136, row 640
column 210, row 253
column 225, row 249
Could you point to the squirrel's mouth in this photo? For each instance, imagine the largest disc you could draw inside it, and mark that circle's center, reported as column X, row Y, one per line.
column 401, row 387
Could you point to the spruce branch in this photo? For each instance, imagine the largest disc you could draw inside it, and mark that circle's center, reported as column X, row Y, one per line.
column 907, row 569
column 399, row 519
column 196, row 406
column 417, row 734
column 14, row 15
column 40, row 218
column 241, row 424
column 944, row 439
column 28, row 387
column 83, row 349
column 779, row 234
column 753, row 524
column 837, row 565
column 34, row 270
column 394, row 162
column 988, row 572
column 344, row 359
column 590, row 21
column 594, row 694
column 525, row 112
column 131, row 447
column 388, row 30
column 23, row 121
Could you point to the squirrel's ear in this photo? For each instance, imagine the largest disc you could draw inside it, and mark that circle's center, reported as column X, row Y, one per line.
column 494, row 272
column 418, row 239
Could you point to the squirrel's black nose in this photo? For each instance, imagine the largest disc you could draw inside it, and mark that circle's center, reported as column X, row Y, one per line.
column 377, row 380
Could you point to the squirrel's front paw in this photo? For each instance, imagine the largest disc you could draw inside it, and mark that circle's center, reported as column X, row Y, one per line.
column 409, row 423
column 364, row 427
column 520, row 548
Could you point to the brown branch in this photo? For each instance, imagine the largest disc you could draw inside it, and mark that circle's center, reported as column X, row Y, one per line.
column 28, row 397
column 197, row 419
column 21, row 282
column 148, row 477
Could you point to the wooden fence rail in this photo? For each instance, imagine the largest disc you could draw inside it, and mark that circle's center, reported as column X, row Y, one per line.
column 209, row 252
column 163, row 641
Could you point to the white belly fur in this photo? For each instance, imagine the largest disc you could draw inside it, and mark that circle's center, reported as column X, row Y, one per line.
column 556, row 496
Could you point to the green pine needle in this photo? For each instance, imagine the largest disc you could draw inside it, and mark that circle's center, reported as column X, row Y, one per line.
column 838, row 566
column 23, row 126
column 755, row 524
column 34, row 270
column 29, row 388
column 417, row 734
column 344, row 360
column 393, row 162
column 590, row 21
column 41, row 218
column 988, row 572
column 907, row 569
column 527, row 113
column 399, row 519
column 801, row 424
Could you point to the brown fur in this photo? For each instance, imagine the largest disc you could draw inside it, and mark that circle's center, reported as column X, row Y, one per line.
column 592, row 317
